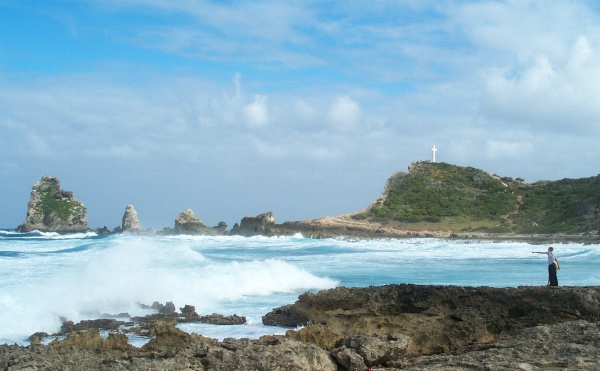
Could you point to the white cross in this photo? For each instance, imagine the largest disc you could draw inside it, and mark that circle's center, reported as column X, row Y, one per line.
column 433, row 150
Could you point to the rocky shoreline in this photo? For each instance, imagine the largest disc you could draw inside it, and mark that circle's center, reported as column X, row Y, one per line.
column 345, row 226
column 52, row 209
column 391, row 327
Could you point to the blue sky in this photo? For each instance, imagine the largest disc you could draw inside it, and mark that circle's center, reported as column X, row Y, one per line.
column 305, row 108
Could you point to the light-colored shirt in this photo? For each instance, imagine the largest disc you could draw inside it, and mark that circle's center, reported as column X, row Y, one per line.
column 551, row 257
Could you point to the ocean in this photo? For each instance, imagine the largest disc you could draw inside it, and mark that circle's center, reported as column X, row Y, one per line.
column 46, row 276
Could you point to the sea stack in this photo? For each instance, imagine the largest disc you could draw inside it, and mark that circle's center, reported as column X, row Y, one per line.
column 130, row 220
column 188, row 223
column 261, row 224
column 51, row 209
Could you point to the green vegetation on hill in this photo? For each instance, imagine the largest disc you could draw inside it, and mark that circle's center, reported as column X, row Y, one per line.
column 51, row 200
column 462, row 198
column 62, row 208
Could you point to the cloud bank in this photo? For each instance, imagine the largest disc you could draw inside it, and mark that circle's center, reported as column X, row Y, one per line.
column 303, row 109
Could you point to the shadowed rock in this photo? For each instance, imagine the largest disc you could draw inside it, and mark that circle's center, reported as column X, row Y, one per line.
column 408, row 327
column 439, row 318
column 255, row 225
column 219, row 319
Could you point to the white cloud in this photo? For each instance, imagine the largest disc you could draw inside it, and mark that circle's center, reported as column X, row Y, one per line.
column 511, row 87
column 38, row 146
column 304, row 110
column 257, row 112
column 345, row 113
column 551, row 95
column 499, row 149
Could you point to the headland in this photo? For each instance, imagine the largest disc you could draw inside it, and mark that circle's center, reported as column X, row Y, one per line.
column 429, row 200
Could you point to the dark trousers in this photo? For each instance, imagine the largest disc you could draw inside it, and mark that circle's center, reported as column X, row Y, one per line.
column 552, row 279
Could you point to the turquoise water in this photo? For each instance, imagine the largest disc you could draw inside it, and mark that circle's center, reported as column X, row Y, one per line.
column 46, row 276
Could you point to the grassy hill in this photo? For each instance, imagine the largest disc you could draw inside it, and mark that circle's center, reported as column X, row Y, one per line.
column 445, row 196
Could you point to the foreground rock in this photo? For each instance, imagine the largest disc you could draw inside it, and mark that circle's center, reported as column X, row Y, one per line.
column 440, row 319
column 392, row 327
column 565, row 346
column 170, row 349
column 51, row 209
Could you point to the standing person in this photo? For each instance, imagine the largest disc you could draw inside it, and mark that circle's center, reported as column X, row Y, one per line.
column 553, row 265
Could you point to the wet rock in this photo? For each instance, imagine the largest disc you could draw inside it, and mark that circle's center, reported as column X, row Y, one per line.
column 96, row 324
column 219, row 319
column 188, row 314
column 285, row 316
column 102, row 231
column 187, row 309
column 166, row 308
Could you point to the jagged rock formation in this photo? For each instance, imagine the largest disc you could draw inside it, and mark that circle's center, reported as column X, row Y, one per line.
column 51, row 209
column 130, row 219
column 262, row 224
column 170, row 349
column 393, row 327
column 441, row 319
column 188, row 223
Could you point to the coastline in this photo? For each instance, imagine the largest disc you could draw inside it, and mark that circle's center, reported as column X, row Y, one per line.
column 345, row 226
column 389, row 327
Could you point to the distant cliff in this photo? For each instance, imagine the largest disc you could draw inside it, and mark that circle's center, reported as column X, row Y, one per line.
column 51, row 209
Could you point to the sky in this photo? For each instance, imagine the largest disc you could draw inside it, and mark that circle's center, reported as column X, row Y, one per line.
column 303, row 108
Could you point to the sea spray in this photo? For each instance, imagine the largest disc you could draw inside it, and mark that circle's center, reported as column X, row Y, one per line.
column 45, row 276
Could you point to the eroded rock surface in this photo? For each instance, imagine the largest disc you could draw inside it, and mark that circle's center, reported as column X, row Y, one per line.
column 392, row 327
column 262, row 224
column 188, row 223
column 130, row 220
column 441, row 319
column 51, row 209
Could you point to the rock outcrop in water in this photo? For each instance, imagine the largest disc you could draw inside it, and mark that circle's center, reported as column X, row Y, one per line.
column 392, row 327
column 51, row 209
column 188, row 223
column 262, row 224
column 130, row 220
